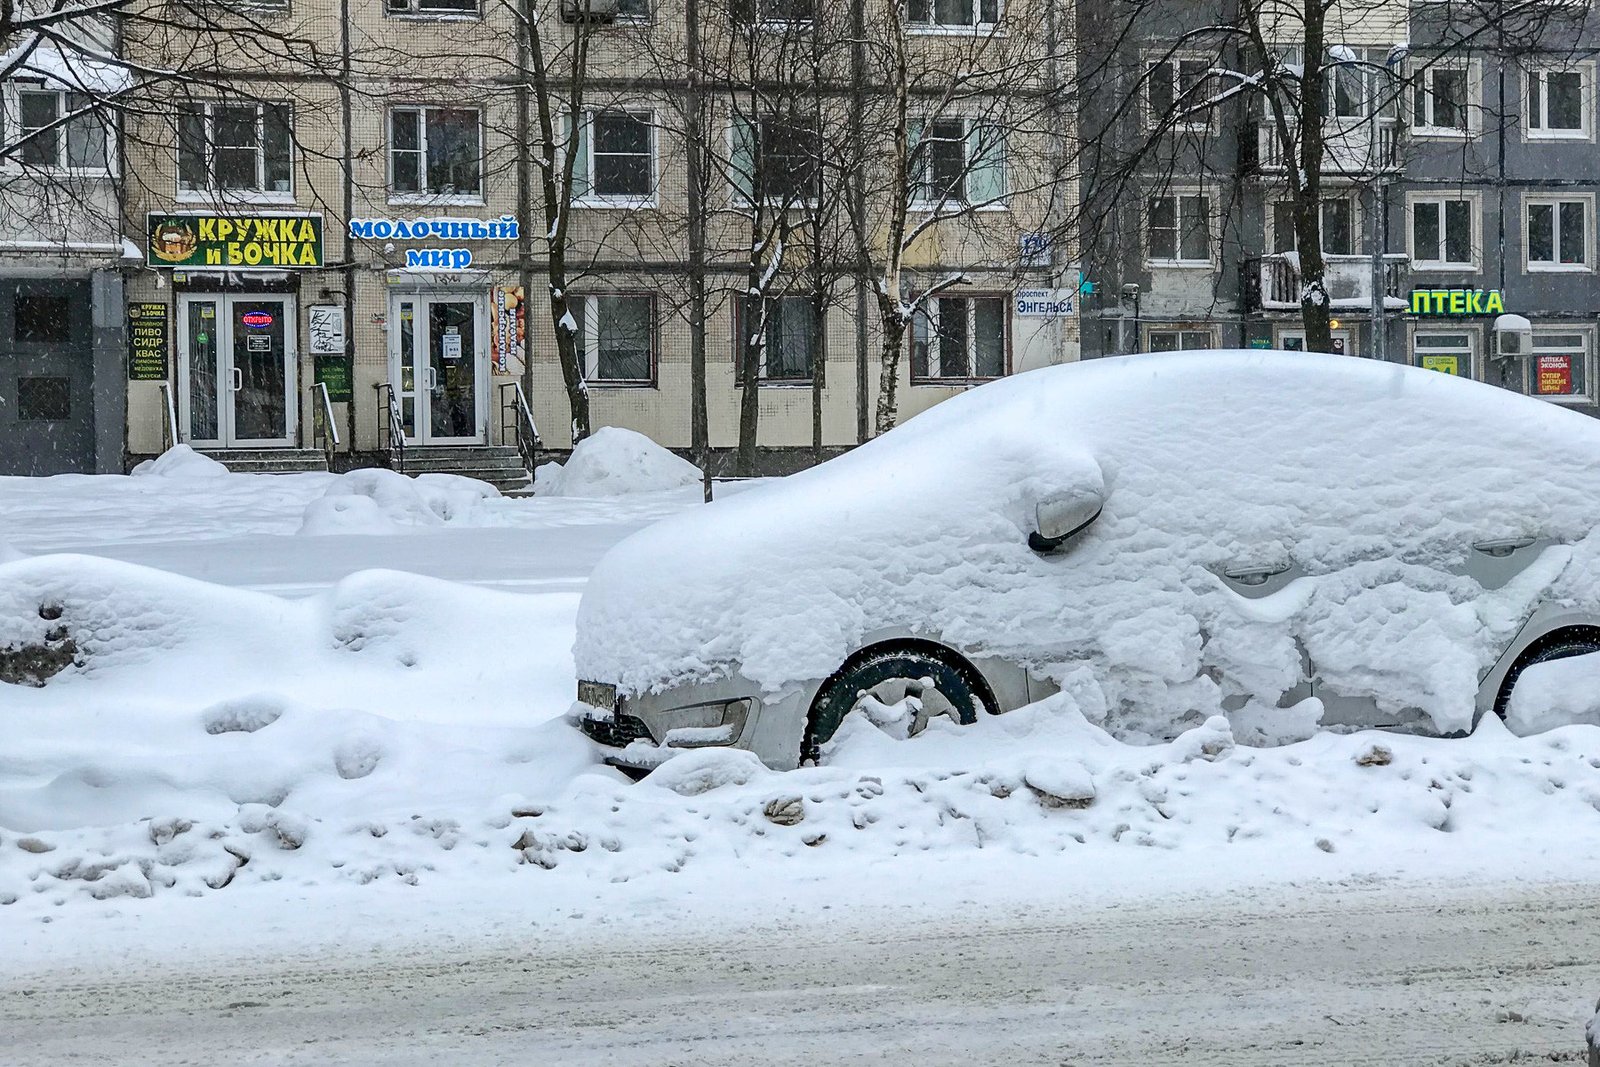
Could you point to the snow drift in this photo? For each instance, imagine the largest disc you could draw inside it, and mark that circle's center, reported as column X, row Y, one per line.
column 615, row 462
column 1374, row 478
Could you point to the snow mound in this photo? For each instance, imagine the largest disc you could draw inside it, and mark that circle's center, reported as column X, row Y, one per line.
column 378, row 501
column 1555, row 693
column 615, row 462
column 180, row 461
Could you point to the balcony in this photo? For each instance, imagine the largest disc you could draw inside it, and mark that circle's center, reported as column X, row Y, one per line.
column 1354, row 146
column 1348, row 278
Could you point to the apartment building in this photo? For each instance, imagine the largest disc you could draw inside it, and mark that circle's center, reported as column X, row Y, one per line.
column 343, row 232
column 1460, row 146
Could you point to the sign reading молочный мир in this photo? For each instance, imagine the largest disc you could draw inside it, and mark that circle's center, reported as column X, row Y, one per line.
column 234, row 242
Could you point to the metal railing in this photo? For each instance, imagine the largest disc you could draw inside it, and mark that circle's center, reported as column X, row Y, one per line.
column 391, row 428
column 169, row 428
column 516, row 423
column 324, row 430
column 1353, row 146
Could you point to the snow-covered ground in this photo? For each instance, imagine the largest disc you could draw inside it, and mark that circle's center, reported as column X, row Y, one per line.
column 297, row 729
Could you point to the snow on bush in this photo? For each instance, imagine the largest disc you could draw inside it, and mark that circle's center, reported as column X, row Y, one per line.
column 180, row 461
column 615, row 462
column 378, row 501
column 1374, row 478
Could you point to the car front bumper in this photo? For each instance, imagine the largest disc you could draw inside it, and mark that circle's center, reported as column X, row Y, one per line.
column 640, row 732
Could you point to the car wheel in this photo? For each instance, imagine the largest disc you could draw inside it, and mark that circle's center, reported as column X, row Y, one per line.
column 1562, row 644
column 880, row 681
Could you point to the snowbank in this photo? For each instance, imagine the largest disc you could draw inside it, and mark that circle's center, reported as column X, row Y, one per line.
column 1373, row 478
column 378, row 501
column 180, row 461
column 615, row 462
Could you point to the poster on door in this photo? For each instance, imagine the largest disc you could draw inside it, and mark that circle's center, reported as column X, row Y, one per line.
column 1443, row 364
column 1554, row 375
column 451, row 343
column 508, row 329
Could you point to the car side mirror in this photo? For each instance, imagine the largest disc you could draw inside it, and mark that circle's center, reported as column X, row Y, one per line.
column 1059, row 518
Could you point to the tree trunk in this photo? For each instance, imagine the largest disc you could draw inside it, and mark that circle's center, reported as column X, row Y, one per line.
column 894, row 333
column 819, row 303
column 567, row 349
column 751, row 342
column 1314, row 309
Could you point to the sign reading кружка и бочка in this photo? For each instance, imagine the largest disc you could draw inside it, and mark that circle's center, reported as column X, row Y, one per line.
column 235, row 242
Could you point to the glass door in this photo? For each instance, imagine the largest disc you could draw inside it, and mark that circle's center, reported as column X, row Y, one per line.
column 437, row 367
column 237, row 361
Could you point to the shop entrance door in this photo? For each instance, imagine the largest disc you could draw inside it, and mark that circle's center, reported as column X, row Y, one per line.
column 437, row 363
column 236, row 370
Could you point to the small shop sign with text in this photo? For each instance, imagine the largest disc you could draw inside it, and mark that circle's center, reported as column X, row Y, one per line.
column 147, row 342
column 1457, row 302
column 1043, row 303
column 234, row 242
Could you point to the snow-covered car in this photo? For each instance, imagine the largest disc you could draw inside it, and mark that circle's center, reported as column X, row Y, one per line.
column 1160, row 537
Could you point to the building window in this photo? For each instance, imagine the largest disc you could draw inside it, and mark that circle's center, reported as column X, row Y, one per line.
column 1295, row 341
column 959, row 338
column 435, row 151
column 1558, row 233
column 1178, row 230
column 780, row 12
column 790, row 350
column 1175, row 84
column 79, row 143
column 1444, row 233
column 1442, row 101
column 778, row 155
column 1558, row 102
column 616, row 335
column 44, row 399
column 41, row 318
column 958, row 161
column 1558, row 366
column 431, row 7
column 615, row 157
column 241, row 148
column 1447, row 353
column 1338, row 227
column 952, row 14
column 1178, row 340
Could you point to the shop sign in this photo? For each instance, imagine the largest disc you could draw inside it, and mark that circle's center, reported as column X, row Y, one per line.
column 147, row 342
column 334, row 372
column 1457, row 302
column 1553, row 375
column 325, row 326
column 249, row 242
column 1042, row 303
column 1443, row 364
column 256, row 320
column 508, row 328
column 505, row 228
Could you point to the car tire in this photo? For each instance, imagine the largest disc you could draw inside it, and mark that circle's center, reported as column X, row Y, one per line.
column 958, row 691
column 1560, row 644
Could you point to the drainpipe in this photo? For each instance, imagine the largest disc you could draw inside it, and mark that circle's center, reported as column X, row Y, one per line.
column 349, row 210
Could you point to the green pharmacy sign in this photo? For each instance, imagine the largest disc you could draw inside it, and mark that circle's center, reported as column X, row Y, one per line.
column 1457, row 302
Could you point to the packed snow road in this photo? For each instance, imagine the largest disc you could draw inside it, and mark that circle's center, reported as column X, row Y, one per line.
column 1340, row 975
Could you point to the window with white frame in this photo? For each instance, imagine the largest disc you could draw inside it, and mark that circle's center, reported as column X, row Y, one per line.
column 1443, row 101
column 1177, row 84
column 1557, row 365
column 615, row 157
column 1443, row 232
column 1359, row 86
column 234, row 147
column 1178, row 230
column 1558, row 102
column 616, row 338
column 958, row 160
column 791, row 334
column 959, row 338
column 58, row 130
column 431, row 7
column 1558, row 233
column 435, row 152
column 1338, row 226
column 1445, row 351
column 952, row 14
column 777, row 154
column 782, row 12
column 1179, row 339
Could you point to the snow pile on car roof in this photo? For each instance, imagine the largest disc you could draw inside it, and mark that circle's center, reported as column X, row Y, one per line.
column 377, row 501
column 1375, row 478
column 613, row 461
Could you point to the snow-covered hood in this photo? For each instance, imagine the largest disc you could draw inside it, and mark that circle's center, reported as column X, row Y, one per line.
column 1373, row 477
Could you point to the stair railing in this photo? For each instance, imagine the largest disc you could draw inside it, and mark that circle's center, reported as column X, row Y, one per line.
column 169, row 427
column 516, row 423
column 391, row 429
column 324, row 430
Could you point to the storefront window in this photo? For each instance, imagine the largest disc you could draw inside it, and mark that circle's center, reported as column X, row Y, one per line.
column 1448, row 353
column 1558, row 366
column 1179, row 340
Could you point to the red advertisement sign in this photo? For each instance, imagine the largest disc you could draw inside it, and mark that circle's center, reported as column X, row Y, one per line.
column 1554, row 375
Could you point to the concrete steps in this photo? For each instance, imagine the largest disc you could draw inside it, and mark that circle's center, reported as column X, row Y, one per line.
column 270, row 460
column 499, row 465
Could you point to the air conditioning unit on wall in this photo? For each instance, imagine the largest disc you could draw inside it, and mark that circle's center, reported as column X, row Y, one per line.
column 588, row 10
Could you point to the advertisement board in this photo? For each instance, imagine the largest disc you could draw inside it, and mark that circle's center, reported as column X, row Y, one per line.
column 147, row 342
column 1443, row 364
column 233, row 242
column 1553, row 375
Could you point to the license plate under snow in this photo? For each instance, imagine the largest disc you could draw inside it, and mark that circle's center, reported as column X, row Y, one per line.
column 598, row 695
